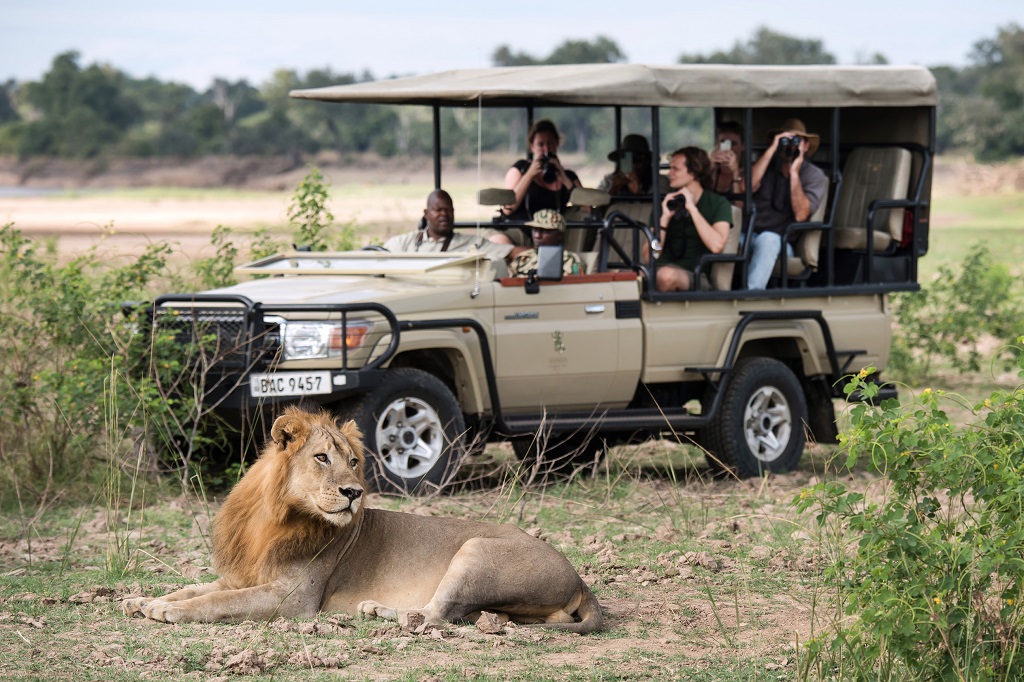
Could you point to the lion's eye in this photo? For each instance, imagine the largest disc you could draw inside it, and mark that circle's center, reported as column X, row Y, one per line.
column 353, row 462
column 321, row 457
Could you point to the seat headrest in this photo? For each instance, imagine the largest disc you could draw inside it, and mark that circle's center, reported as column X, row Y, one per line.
column 582, row 196
column 496, row 196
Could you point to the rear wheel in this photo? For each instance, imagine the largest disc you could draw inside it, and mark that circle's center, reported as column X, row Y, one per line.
column 413, row 431
column 760, row 423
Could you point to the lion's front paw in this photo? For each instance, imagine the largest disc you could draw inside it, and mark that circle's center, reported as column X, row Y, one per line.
column 133, row 607
column 374, row 609
column 164, row 611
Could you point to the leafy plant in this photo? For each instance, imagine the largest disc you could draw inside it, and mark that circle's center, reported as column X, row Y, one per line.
column 949, row 318
column 263, row 244
column 932, row 568
column 63, row 336
column 311, row 220
column 308, row 213
column 218, row 270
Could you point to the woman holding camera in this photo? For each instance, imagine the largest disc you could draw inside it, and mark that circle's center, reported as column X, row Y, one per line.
column 539, row 180
column 695, row 221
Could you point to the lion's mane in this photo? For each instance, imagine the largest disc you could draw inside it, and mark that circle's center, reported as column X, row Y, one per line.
column 258, row 529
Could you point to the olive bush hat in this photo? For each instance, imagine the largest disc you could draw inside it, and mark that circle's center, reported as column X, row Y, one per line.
column 548, row 219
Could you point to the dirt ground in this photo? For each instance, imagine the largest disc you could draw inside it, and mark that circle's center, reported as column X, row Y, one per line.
column 731, row 592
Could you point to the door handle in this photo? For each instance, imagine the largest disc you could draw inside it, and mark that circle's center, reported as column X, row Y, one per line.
column 593, row 309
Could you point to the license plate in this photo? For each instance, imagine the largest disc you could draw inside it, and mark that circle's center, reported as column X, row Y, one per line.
column 289, row 383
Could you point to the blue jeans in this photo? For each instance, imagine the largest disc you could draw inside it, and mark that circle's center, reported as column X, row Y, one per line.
column 764, row 252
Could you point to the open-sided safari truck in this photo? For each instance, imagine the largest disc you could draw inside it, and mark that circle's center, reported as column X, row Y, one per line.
column 433, row 353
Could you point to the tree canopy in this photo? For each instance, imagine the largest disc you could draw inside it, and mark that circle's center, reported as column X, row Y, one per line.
column 77, row 111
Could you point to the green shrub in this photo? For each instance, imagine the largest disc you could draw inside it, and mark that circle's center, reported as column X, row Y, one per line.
column 218, row 270
column 932, row 575
column 64, row 342
column 948, row 318
column 311, row 221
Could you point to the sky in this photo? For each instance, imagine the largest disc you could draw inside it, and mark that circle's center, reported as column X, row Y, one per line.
column 195, row 41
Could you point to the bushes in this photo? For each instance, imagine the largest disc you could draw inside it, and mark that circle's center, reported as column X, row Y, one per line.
column 948, row 319
column 932, row 567
column 80, row 388
column 64, row 341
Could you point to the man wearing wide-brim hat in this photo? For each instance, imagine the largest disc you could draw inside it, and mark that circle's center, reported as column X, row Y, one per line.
column 787, row 189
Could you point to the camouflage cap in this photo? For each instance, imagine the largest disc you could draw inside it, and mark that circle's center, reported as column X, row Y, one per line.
column 548, row 219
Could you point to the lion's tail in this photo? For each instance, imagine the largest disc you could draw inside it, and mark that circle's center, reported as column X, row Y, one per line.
column 589, row 611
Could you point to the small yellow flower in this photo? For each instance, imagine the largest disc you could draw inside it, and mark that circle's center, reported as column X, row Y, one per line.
column 937, row 600
column 1009, row 602
column 995, row 465
column 926, row 392
column 862, row 374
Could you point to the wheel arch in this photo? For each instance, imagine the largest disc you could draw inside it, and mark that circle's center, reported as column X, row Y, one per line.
column 451, row 365
column 800, row 346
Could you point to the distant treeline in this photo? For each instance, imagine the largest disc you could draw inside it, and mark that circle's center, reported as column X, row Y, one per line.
column 92, row 111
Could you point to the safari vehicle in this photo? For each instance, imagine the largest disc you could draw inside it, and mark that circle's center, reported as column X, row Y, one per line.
column 433, row 353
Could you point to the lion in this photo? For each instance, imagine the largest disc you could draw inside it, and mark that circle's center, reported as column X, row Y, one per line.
column 294, row 538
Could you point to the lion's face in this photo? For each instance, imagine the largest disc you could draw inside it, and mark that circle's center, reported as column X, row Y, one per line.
column 325, row 465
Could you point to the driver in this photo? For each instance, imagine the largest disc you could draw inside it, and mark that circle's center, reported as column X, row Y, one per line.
column 439, row 234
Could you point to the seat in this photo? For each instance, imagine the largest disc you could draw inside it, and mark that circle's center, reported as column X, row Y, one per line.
column 871, row 174
column 804, row 260
column 584, row 206
column 640, row 211
column 722, row 270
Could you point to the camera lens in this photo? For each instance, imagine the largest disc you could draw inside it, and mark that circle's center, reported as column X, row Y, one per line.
column 548, row 171
column 676, row 203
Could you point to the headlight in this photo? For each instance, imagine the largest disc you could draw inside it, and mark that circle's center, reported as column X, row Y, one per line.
column 320, row 340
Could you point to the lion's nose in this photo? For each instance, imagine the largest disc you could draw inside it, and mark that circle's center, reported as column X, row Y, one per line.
column 352, row 494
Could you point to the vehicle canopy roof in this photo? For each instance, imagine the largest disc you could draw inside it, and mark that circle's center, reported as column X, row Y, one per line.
column 686, row 85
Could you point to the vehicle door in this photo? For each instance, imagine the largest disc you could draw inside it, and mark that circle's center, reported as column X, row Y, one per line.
column 575, row 344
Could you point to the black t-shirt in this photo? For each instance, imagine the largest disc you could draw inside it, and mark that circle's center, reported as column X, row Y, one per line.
column 538, row 197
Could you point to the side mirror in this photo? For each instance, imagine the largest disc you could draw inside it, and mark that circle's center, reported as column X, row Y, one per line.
column 549, row 267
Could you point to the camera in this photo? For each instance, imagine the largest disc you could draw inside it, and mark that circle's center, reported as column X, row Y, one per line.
column 725, row 145
column 626, row 162
column 548, row 170
column 676, row 203
column 790, row 147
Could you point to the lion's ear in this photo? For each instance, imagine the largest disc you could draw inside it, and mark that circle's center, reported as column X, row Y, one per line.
column 286, row 429
column 352, row 434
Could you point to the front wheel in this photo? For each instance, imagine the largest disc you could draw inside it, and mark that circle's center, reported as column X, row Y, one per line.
column 760, row 424
column 413, row 431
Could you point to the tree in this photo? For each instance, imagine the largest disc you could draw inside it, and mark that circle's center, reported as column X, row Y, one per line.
column 578, row 125
column 7, row 111
column 81, row 112
column 768, row 47
column 980, row 107
column 1002, row 61
column 601, row 51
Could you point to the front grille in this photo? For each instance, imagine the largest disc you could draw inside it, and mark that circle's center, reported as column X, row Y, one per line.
column 220, row 336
